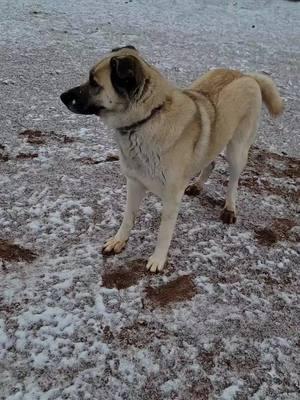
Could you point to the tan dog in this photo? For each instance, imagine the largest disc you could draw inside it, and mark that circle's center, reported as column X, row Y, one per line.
column 167, row 135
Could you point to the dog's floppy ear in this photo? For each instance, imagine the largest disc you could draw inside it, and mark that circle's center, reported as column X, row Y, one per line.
column 126, row 74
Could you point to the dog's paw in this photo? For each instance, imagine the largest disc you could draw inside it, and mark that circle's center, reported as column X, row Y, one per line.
column 155, row 264
column 192, row 190
column 228, row 217
column 113, row 246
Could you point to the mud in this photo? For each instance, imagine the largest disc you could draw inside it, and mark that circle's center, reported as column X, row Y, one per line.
column 179, row 289
column 13, row 252
column 125, row 277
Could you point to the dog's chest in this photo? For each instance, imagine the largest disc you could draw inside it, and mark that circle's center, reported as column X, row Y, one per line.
column 139, row 156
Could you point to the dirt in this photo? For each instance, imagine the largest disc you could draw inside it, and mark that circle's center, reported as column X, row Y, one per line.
column 277, row 231
column 124, row 278
column 179, row 289
column 26, row 156
column 266, row 162
column 37, row 137
column 154, row 339
column 13, row 252
column 261, row 164
column 91, row 161
column 261, row 186
column 33, row 136
column 88, row 161
column 266, row 236
column 112, row 158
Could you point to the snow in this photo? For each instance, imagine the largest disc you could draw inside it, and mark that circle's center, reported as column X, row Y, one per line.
column 229, row 327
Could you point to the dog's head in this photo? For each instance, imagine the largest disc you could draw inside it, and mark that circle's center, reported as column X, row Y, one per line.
column 113, row 83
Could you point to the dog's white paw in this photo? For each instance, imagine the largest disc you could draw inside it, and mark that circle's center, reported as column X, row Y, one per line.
column 113, row 246
column 155, row 263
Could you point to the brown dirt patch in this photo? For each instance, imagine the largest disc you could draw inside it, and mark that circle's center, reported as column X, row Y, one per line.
column 61, row 138
column 261, row 186
column 283, row 225
column 125, row 277
column 88, row 161
column 275, row 164
column 33, row 136
column 111, row 158
column 179, row 289
column 266, row 236
column 31, row 133
column 277, row 231
column 36, row 140
column 91, row 161
column 13, row 252
column 38, row 137
column 26, row 156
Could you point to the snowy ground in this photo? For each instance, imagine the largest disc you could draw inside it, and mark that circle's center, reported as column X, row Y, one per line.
column 223, row 321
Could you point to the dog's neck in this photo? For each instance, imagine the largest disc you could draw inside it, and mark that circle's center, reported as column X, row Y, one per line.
column 147, row 104
column 124, row 130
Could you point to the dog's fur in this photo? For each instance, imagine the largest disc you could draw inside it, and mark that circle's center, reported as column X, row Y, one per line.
column 167, row 135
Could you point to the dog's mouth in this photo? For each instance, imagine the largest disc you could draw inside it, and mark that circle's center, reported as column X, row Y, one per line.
column 77, row 101
column 100, row 110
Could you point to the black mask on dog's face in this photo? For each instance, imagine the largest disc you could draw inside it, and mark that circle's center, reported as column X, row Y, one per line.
column 83, row 99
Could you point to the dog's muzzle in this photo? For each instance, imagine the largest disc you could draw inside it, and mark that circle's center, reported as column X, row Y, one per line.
column 78, row 101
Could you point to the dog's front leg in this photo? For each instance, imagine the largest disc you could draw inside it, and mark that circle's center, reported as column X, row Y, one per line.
column 171, row 205
column 135, row 194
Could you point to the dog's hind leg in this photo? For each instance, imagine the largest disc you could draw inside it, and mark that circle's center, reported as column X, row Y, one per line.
column 237, row 162
column 196, row 187
column 237, row 156
column 135, row 194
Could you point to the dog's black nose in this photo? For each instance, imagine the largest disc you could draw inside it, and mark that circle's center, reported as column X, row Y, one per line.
column 78, row 100
column 66, row 98
column 75, row 99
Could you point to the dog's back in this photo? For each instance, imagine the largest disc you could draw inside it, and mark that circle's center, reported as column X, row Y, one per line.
column 213, row 82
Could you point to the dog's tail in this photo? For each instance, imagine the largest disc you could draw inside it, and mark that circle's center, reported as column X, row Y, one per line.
column 270, row 94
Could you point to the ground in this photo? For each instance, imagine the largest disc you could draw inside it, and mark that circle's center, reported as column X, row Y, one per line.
column 222, row 321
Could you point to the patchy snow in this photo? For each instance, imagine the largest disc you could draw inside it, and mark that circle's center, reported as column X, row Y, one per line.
column 222, row 322
column 231, row 392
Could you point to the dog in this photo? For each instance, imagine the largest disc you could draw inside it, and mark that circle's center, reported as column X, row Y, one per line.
column 168, row 135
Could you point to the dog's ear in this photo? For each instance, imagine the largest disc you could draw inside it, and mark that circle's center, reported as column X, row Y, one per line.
column 126, row 75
